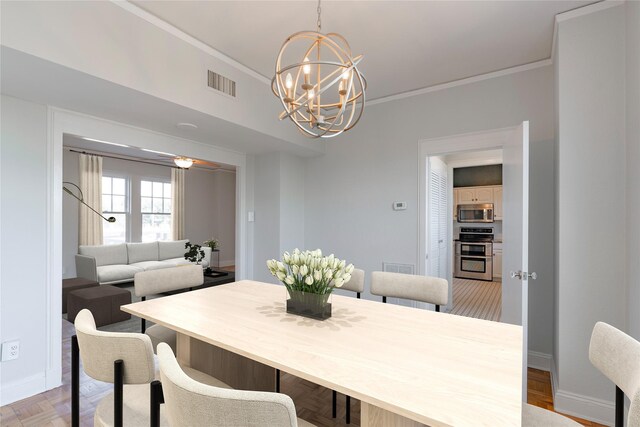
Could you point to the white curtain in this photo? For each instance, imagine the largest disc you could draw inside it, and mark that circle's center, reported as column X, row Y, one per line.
column 90, row 232
column 177, row 203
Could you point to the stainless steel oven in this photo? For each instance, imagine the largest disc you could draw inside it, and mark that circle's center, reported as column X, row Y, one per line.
column 475, row 213
column 474, row 254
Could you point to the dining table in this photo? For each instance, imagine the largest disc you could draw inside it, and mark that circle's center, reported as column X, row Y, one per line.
column 408, row 366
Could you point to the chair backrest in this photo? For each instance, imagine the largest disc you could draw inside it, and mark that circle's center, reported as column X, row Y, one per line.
column 191, row 403
column 433, row 290
column 617, row 356
column 99, row 349
column 356, row 284
column 154, row 282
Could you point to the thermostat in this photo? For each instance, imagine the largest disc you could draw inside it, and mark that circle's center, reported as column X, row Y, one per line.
column 399, row 206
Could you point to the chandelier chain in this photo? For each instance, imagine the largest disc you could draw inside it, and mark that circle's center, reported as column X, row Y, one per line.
column 319, row 22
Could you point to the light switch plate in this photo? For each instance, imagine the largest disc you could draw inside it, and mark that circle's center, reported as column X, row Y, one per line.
column 251, row 216
column 399, row 206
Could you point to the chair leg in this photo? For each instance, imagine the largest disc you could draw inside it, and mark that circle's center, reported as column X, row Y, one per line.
column 335, row 403
column 358, row 295
column 118, row 388
column 277, row 380
column 143, row 326
column 619, row 407
column 384, row 300
column 156, row 398
column 437, row 308
column 348, row 409
column 75, row 382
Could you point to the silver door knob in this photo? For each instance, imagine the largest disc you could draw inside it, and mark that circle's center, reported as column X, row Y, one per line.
column 523, row 275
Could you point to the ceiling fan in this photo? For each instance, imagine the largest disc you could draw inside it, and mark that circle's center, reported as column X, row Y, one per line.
column 183, row 161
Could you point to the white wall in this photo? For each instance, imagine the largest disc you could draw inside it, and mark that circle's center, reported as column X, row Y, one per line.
column 279, row 209
column 633, row 160
column 591, row 187
column 267, row 214
column 24, row 239
column 349, row 191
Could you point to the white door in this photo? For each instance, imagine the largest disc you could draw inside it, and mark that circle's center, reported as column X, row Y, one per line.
column 515, row 228
column 437, row 214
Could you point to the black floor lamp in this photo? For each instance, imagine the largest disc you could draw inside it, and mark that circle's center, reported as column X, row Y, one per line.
column 81, row 200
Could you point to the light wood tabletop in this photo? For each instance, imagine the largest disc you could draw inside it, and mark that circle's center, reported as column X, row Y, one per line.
column 407, row 366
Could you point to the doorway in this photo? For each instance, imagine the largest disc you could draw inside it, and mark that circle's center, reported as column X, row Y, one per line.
column 475, row 253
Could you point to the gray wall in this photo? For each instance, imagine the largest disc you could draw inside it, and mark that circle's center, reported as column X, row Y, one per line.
column 209, row 205
column 210, row 210
column 23, row 243
column 633, row 160
column 349, row 191
column 591, row 154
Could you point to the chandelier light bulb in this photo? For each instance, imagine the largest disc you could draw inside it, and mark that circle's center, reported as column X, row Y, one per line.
column 288, row 81
column 307, row 67
column 310, row 94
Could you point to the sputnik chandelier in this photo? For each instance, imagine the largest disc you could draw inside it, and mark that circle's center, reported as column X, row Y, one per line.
column 322, row 90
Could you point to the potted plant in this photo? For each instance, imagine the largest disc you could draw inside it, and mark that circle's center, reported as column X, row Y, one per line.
column 214, row 244
column 310, row 278
column 194, row 253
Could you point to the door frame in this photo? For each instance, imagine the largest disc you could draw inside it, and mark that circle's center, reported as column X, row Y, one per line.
column 62, row 121
column 474, row 141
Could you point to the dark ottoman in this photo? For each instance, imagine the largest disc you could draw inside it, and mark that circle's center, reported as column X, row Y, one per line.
column 103, row 301
column 70, row 285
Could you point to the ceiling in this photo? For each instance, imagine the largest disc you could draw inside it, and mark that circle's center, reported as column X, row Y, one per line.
column 80, row 143
column 407, row 45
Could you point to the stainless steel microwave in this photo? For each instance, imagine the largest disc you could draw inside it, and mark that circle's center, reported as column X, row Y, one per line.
column 475, row 213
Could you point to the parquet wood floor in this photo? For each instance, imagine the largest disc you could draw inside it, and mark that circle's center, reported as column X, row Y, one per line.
column 313, row 402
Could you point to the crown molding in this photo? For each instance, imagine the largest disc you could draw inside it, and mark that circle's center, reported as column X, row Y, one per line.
column 176, row 32
column 580, row 11
column 586, row 10
column 465, row 81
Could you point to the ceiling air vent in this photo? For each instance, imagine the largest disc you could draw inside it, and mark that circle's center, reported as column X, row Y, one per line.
column 221, row 83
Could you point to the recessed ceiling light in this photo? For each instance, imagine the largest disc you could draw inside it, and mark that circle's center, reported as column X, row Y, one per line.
column 185, row 125
column 158, row 152
column 105, row 142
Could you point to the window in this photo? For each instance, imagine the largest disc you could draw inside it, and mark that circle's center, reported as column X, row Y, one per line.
column 155, row 206
column 114, row 203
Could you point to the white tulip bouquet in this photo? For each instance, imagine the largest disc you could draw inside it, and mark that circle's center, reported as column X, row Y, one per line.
column 310, row 272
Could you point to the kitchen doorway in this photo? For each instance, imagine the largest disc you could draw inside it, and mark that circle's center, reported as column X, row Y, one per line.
column 471, row 181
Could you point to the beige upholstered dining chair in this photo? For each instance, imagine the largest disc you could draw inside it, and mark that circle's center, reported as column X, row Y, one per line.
column 154, row 282
column 118, row 358
column 356, row 284
column 432, row 290
column 191, row 403
column 617, row 356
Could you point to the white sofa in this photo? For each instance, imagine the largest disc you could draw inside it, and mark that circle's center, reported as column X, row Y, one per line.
column 112, row 264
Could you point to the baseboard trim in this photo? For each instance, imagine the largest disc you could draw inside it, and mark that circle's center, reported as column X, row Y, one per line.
column 537, row 360
column 21, row 389
column 589, row 408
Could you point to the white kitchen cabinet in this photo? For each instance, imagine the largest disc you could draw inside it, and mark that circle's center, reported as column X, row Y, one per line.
column 471, row 195
column 497, row 261
column 455, row 204
column 497, row 202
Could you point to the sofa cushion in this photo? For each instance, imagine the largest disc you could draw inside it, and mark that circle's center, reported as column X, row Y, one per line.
column 142, row 252
column 152, row 265
column 173, row 249
column 106, row 254
column 113, row 273
column 175, row 262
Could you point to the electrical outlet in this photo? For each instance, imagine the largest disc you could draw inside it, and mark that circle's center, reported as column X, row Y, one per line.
column 10, row 350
